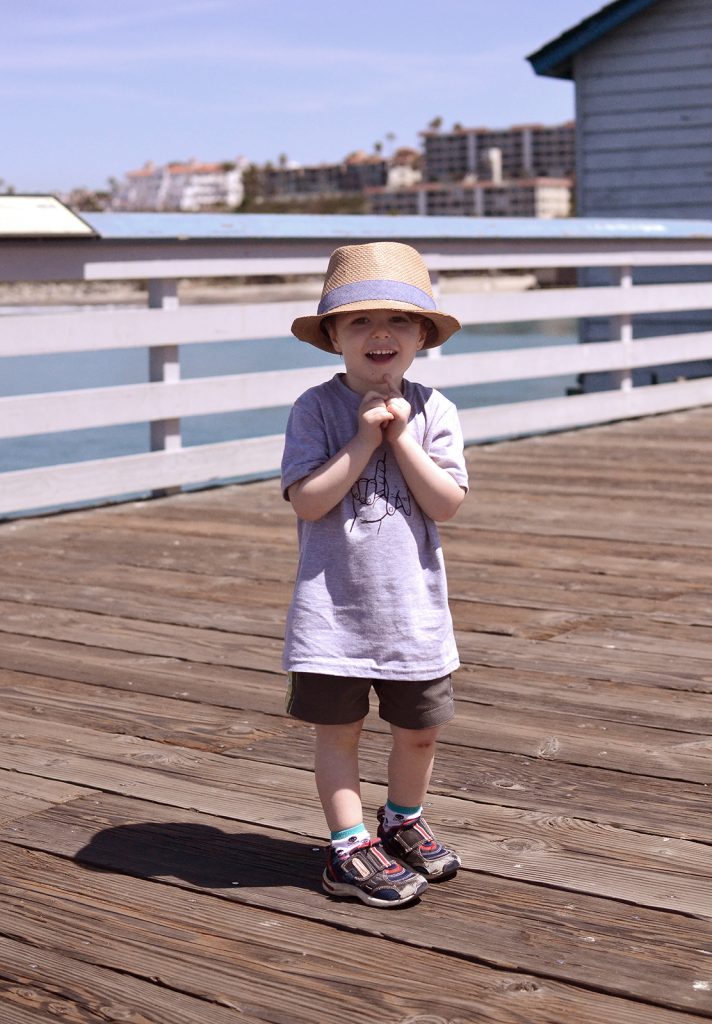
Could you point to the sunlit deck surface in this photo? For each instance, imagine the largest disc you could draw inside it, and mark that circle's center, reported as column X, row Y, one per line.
column 161, row 837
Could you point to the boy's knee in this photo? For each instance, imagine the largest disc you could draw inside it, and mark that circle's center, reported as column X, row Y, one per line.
column 339, row 735
column 415, row 739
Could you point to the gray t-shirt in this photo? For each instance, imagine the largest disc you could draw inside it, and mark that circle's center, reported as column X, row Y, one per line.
column 370, row 598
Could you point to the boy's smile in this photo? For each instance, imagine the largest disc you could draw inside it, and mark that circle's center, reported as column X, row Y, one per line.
column 374, row 340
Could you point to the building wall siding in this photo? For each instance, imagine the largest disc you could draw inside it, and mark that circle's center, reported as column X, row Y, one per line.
column 644, row 147
column 644, row 115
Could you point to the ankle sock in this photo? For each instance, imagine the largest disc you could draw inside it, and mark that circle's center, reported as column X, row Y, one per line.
column 344, row 841
column 397, row 815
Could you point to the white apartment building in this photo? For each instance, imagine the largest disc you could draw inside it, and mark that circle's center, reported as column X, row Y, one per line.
column 188, row 186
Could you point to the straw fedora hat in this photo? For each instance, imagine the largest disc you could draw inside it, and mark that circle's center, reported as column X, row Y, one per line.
column 377, row 275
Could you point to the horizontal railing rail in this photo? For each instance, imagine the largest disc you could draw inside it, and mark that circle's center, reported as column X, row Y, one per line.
column 166, row 399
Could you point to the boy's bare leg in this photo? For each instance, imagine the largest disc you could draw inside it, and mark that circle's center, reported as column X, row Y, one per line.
column 337, row 774
column 410, row 764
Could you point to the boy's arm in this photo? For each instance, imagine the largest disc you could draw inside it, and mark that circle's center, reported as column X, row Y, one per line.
column 315, row 495
column 437, row 493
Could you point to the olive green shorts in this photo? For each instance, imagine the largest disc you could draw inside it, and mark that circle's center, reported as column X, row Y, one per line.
column 340, row 700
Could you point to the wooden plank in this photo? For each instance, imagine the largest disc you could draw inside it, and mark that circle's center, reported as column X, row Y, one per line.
column 568, row 853
column 263, row 651
column 657, row 637
column 555, row 303
column 464, row 766
column 22, row 795
column 589, row 941
column 533, row 545
column 167, row 675
column 126, row 474
column 80, row 409
column 139, row 328
column 608, row 698
column 220, row 615
column 45, row 333
column 172, row 592
column 260, row 620
column 60, row 672
column 108, row 406
column 39, row 984
column 669, row 672
column 170, row 569
column 625, row 701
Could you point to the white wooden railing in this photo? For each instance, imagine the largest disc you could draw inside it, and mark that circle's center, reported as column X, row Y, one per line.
column 447, row 244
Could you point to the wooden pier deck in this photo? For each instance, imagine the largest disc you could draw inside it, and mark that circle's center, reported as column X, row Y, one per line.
column 159, row 831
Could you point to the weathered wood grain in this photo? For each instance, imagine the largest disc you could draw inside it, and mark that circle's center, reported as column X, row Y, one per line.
column 142, row 729
column 557, row 850
column 22, row 795
column 479, row 919
column 548, row 784
column 39, row 985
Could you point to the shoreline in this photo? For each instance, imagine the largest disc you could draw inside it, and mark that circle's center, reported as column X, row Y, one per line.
column 199, row 291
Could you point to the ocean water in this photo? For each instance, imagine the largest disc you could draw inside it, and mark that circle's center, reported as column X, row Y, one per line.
column 37, row 374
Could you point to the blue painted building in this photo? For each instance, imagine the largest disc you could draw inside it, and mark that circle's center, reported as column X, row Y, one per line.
column 642, row 71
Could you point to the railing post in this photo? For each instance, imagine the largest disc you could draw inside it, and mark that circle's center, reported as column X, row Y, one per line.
column 164, row 366
column 623, row 325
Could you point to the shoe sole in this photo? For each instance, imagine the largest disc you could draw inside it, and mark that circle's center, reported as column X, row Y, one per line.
column 344, row 889
column 443, row 876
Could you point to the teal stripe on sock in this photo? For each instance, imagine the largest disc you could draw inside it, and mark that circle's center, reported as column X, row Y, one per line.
column 346, row 832
column 407, row 812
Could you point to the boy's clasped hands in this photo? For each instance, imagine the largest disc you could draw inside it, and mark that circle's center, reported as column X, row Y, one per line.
column 383, row 414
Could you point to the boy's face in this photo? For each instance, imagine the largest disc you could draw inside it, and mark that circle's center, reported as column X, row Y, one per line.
column 375, row 342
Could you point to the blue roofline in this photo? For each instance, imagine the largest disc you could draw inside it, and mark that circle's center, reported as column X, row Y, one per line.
column 555, row 58
column 356, row 227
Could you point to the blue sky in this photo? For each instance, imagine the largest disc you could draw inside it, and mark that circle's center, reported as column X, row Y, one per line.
column 93, row 88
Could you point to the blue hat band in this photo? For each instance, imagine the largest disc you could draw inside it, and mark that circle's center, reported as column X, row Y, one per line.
column 377, row 290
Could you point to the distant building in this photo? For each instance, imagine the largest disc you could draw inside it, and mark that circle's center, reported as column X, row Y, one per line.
column 643, row 80
column 405, row 168
column 188, row 186
column 537, row 197
column 351, row 176
column 523, row 171
column 525, row 151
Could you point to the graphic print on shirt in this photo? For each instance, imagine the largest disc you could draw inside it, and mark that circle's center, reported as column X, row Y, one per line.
column 370, row 497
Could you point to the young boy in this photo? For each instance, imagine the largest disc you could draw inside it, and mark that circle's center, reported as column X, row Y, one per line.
column 371, row 463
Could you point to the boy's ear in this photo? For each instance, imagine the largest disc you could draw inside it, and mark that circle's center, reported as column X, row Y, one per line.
column 332, row 336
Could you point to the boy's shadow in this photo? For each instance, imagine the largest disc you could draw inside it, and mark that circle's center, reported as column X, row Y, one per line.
column 204, row 856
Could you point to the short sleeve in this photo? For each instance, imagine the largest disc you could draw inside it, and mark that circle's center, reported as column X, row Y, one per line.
column 444, row 443
column 305, row 443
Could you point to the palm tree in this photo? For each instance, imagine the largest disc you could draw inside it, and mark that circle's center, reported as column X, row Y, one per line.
column 436, row 124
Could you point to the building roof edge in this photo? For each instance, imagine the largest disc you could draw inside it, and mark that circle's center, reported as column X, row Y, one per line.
column 555, row 58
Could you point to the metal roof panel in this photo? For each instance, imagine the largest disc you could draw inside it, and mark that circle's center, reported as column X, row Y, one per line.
column 355, row 227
